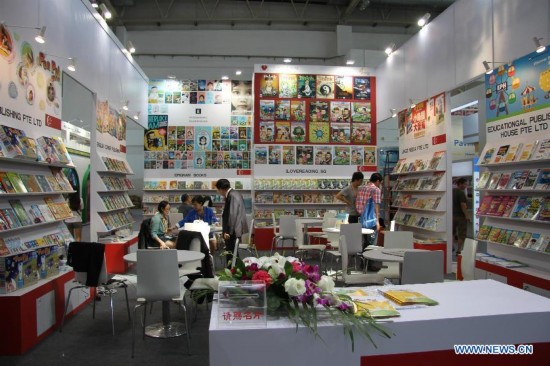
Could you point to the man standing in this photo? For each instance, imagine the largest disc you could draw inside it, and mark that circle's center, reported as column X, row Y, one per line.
column 371, row 189
column 348, row 195
column 460, row 213
column 234, row 223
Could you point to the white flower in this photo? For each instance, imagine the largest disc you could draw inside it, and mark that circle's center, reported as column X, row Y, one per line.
column 295, row 287
column 275, row 270
column 292, row 259
column 264, row 262
column 249, row 260
column 326, row 284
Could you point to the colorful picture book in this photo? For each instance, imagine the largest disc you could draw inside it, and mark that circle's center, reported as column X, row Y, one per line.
column 407, row 297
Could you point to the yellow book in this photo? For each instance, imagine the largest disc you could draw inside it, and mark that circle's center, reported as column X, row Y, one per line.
column 375, row 308
column 407, row 297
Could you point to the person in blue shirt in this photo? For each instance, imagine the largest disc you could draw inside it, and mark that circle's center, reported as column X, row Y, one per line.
column 203, row 213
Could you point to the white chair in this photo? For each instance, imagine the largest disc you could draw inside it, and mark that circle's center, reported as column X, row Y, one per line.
column 104, row 286
column 352, row 279
column 287, row 231
column 174, row 218
column 468, row 261
column 422, row 267
column 329, row 220
column 158, row 280
column 247, row 243
column 395, row 240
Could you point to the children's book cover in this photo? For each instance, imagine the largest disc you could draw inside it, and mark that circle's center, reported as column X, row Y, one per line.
column 306, row 86
column 343, row 87
column 298, row 110
column 288, row 86
column 361, row 112
column 318, row 111
column 319, row 132
column 361, row 88
column 325, row 87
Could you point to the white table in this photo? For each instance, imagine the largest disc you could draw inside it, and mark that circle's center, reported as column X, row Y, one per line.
column 469, row 312
column 389, row 255
column 337, row 230
column 167, row 328
column 302, row 225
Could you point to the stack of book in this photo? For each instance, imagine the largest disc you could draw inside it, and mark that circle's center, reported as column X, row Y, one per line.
column 510, row 152
column 516, row 207
column 527, row 179
column 518, row 238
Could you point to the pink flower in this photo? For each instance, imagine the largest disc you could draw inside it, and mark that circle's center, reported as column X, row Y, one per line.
column 296, row 266
column 262, row 276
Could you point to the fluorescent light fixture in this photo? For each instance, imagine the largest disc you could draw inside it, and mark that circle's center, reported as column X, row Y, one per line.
column 393, row 112
column 389, row 50
column 94, row 4
column 106, row 13
column 413, row 104
column 287, row 60
column 350, row 62
column 225, row 77
column 72, row 64
column 136, row 115
column 422, row 21
column 464, row 106
column 238, row 72
column 130, row 47
column 488, row 68
column 171, row 76
column 125, row 106
column 40, row 36
column 540, row 47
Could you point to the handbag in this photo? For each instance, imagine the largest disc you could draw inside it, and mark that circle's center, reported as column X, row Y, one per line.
column 368, row 218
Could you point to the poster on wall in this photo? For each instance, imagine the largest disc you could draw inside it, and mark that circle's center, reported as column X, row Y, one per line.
column 30, row 83
column 110, row 128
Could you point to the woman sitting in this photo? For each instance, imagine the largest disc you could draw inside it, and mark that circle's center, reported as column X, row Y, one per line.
column 202, row 213
column 160, row 225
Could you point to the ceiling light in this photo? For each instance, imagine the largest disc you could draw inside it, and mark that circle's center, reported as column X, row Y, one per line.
column 364, row 4
column 413, row 104
column 40, row 36
column 540, row 47
column 225, row 77
column 488, row 68
column 393, row 112
column 389, row 50
column 171, row 76
column 125, row 106
column 422, row 21
column 350, row 62
column 130, row 47
column 136, row 115
column 238, row 72
column 72, row 64
column 106, row 13
column 287, row 60
column 94, row 5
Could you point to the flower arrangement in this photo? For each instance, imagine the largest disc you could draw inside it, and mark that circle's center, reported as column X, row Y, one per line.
column 300, row 291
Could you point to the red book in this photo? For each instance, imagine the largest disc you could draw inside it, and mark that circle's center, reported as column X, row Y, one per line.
column 484, row 205
column 495, row 204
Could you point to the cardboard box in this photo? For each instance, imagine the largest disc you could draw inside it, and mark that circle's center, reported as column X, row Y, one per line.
column 17, row 271
column 47, row 261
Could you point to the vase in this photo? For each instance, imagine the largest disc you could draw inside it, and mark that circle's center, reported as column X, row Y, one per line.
column 276, row 313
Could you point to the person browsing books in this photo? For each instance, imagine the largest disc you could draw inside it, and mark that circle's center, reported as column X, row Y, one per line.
column 234, row 223
column 160, row 225
column 371, row 189
column 348, row 195
column 460, row 213
column 202, row 213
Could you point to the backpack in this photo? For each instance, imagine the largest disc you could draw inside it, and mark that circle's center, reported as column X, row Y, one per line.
column 145, row 240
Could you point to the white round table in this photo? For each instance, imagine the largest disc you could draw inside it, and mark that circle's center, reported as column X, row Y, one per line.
column 167, row 328
column 337, row 230
column 389, row 255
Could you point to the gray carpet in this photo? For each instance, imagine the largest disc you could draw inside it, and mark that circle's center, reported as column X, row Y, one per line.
column 87, row 341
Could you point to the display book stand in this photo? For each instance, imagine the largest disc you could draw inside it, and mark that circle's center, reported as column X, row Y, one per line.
column 307, row 197
column 515, row 207
column 171, row 190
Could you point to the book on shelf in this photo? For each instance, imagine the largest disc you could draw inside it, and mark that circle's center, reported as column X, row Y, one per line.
column 487, row 154
column 62, row 180
column 543, row 180
column 504, row 236
column 20, row 212
column 16, row 182
column 533, row 208
column 542, row 151
column 520, row 208
column 483, row 232
column 30, row 183
column 531, row 179
column 6, row 183
column 544, row 213
column 493, row 181
column 527, row 151
column 513, row 237
column 53, row 183
column 36, row 214
column 483, row 180
column 495, row 204
column 407, row 297
column 47, row 146
column 10, row 217
column 513, row 152
column 59, row 210
column 10, row 139
column 525, row 240
column 436, row 159
column 503, row 181
column 4, row 250
column 517, row 179
column 506, row 206
column 501, row 154
column 519, row 238
column 534, row 241
column 494, row 234
column 43, row 183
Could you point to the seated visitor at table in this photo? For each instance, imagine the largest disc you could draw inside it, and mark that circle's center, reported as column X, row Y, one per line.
column 160, row 225
column 202, row 213
column 185, row 206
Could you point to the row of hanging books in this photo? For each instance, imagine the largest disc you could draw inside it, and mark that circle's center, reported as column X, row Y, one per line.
column 431, row 182
column 267, row 214
column 117, row 183
column 115, row 220
column 405, row 165
column 516, row 207
column 431, row 223
column 498, row 261
column 14, row 143
column 296, row 198
column 300, row 183
column 19, row 215
column 510, row 152
column 117, row 201
column 422, row 203
column 115, row 165
column 14, row 245
column 536, row 179
column 12, row 182
column 521, row 239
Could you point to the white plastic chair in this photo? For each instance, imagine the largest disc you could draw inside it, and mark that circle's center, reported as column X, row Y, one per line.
column 287, row 231
column 355, row 278
column 422, row 267
column 395, row 240
column 329, row 220
column 158, row 280
column 247, row 243
column 468, row 261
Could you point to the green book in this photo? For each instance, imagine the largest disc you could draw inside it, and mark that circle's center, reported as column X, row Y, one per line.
column 17, row 183
column 20, row 212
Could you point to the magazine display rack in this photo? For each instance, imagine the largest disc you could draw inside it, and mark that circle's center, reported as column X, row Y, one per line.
column 114, row 202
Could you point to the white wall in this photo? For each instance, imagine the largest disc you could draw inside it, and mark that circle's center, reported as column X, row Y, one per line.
column 73, row 31
column 449, row 51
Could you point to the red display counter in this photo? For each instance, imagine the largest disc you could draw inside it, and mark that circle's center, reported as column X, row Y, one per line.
column 115, row 251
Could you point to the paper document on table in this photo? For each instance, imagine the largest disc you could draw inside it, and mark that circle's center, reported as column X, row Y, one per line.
column 407, row 297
